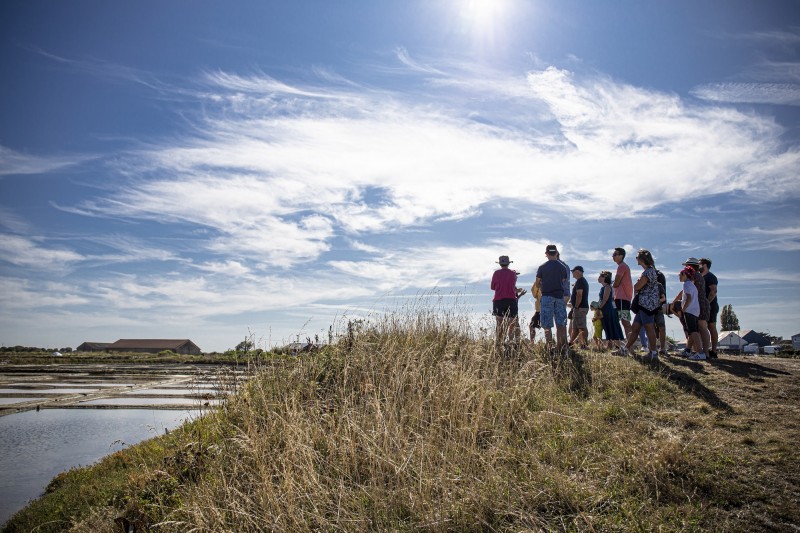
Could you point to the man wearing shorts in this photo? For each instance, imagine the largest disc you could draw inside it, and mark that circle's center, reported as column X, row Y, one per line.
column 579, row 301
column 550, row 276
column 711, row 296
column 661, row 325
column 623, row 290
column 504, row 305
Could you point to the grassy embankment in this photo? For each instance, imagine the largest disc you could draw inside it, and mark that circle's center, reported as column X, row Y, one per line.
column 416, row 424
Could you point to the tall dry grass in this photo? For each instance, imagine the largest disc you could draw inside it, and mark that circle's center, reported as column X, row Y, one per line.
column 412, row 421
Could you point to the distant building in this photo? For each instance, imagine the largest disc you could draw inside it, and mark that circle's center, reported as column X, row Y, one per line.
column 181, row 346
column 93, row 347
column 753, row 337
column 796, row 342
column 731, row 341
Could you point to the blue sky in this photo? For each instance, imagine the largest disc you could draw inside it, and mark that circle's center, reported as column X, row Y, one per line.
column 213, row 170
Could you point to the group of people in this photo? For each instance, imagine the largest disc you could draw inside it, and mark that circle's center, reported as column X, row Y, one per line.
column 625, row 312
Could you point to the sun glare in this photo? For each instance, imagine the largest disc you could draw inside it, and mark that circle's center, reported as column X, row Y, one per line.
column 483, row 11
column 485, row 20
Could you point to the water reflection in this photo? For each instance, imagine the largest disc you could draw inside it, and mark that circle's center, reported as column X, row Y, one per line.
column 46, row 391
column 172, row 392
column 35, row 446
column 12, row 401
column 149, row 401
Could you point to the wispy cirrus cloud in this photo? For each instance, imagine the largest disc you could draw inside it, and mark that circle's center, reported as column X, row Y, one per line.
column 13, row 162
column 277, row 170
column 772, row 78
column 27, row 252
column 785, row 239
column 753, row 93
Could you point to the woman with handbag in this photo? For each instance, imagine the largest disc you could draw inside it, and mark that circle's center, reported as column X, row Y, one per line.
column 646, row 304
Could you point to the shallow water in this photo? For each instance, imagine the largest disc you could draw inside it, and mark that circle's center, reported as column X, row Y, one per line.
column 149, row 401
column 173, row 392
column 36, row 446
column 12, row 401
column 57, row 390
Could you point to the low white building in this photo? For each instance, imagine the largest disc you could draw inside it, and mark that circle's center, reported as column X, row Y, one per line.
column 796, row 342
column 730, row 340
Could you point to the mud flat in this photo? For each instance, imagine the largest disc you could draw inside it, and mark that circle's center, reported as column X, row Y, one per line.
column 119, row 386
column 54, row 417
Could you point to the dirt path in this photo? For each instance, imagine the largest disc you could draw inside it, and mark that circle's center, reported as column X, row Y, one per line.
column 755, row 402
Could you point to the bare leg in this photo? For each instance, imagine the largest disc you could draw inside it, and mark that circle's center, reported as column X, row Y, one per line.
column 548, row 337
column 712, row 329
column 633, row 335
column 499, row 332
column 626, row 327
column 651, row 336
column 561, row 337
column 705, row 337
column 513, row 332
column 696, row 340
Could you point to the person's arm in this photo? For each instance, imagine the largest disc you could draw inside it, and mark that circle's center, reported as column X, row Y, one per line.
column 688, row 301
column 712, row 292
column 606, row 295
column 617, row 279
column 578, row 297
column 641, row 282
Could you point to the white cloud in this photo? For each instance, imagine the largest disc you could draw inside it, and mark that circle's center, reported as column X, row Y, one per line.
column 784, row 239
column 759, row 277
column 25, row 252
column 13, row 162
column 228, row 268
column 19, row 295
column 753, row 93
column 301, row 165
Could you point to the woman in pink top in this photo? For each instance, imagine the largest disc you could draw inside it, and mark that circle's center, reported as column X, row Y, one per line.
column 504, row 305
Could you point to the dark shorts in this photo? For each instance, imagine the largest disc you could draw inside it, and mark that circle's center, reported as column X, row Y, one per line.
column 660, row 322
column 691, row 323
column 507, row 307
column 643, row 318
column 622, row 305
column 579, row 317
column 623, row 308
column 714, row 311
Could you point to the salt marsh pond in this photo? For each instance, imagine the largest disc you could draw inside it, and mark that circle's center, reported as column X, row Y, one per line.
column 57, row 417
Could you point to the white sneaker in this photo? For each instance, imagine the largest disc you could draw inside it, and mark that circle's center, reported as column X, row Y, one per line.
column 698, row 357
column 686, row 352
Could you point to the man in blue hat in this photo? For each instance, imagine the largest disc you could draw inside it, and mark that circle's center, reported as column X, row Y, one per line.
column 551, row 276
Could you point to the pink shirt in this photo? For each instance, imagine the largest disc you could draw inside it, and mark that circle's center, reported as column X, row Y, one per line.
column 625, row 289
column 504, row 284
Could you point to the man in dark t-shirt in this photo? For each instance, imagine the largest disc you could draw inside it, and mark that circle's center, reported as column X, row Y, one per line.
column 711, row 296
column 550, row 276
column 660, row 322
column 579, row 302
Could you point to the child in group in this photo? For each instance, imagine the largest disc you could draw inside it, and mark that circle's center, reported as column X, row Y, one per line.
column 597, row 322
column 610, row 319
column 690, row 307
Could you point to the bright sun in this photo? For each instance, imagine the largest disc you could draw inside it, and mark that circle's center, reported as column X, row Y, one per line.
column 484, row 19
column 483, row 11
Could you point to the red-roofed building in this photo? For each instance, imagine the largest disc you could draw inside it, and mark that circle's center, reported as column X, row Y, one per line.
column 181, row 346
